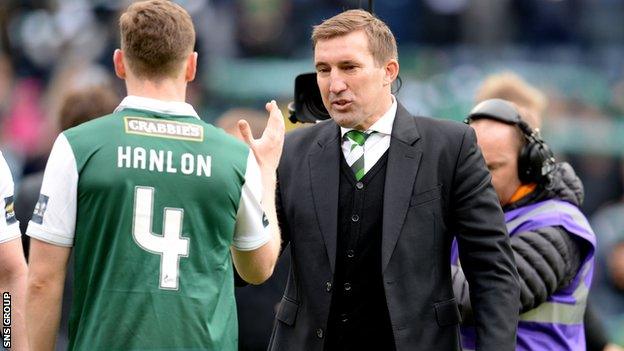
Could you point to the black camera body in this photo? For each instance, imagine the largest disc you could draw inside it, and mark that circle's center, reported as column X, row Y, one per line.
column 308, row 105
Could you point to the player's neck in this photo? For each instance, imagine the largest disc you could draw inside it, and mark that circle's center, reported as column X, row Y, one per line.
column 166, row 90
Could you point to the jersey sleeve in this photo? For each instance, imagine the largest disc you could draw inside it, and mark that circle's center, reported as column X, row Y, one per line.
column 54, row 217
column 9, row 226
column 252, row 227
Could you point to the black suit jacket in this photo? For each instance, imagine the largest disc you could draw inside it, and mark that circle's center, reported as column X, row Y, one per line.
column 437, row 187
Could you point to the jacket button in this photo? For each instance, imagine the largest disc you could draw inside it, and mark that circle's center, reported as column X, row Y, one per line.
column 347, row 286
column 344, row 318
column 359, row 185
column 350, row 253
column 319, row 333
column 355, row 218
column 328, row 286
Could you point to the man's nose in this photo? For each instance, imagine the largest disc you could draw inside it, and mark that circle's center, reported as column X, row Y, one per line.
column 337, row 84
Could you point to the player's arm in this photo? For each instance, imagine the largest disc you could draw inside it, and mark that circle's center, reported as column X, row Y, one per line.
column 51, row 229
column 13, row 269
column 46, row 277
column 255, row 263
column 13, row 273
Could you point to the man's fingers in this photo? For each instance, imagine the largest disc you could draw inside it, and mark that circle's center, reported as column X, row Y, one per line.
column 245, row 131
column 276, row 119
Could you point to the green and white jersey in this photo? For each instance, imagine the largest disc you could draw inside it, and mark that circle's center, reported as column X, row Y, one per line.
column 9, row 227
column 151, row 198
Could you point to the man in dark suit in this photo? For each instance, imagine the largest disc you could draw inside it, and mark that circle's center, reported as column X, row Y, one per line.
column 370, row 202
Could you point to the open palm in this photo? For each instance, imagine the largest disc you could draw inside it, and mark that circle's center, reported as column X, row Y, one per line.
column 268, row 148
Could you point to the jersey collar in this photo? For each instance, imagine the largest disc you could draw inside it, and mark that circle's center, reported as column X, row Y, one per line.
column 176, row 108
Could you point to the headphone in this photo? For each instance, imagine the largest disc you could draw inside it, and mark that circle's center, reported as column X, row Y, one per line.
column 535, row 161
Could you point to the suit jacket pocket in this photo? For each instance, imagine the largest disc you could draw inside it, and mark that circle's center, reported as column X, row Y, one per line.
column 287, row 311
column 425, row 196
column 447, row 313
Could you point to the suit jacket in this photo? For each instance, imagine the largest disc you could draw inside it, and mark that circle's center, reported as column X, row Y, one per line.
column 437, row 187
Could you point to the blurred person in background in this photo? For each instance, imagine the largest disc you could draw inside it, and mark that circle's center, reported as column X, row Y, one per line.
column 608, row 293
column 228, row 121
column 114, row 184
column 552, row 241
column 13, row 269
column 512, row 87
column 370, row 200
column 22, row 117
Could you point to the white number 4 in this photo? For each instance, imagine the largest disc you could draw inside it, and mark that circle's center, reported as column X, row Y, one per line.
column 170, row 246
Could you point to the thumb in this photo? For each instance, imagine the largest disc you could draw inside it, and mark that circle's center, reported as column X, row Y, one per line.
column 245, row 130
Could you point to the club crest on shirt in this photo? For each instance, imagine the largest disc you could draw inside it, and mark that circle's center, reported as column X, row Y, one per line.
column 9, row 211
column 163, row 128
column 40, row 209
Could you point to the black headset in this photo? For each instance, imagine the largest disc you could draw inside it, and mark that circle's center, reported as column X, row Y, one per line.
column 535, row 161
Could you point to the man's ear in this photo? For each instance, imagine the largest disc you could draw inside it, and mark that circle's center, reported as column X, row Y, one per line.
column 391, row 71
column 119, row 63
column 191, row 67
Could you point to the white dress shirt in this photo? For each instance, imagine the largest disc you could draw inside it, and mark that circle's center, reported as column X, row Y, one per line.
column 377, row 143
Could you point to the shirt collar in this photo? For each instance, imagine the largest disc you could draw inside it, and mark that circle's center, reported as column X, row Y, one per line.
column 176, row 108
column 383, row 124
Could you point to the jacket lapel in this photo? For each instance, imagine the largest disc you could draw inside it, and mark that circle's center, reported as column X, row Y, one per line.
column 324, row 166
column 404, row 157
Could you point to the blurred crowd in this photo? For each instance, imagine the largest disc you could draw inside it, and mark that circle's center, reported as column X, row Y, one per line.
column 571, row 50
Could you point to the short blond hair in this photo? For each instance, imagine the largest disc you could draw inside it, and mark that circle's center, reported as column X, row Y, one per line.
column 381, row 42
column 156, row 37
column 511, row 87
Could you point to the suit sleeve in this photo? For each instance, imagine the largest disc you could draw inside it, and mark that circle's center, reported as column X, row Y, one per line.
column 281, row 216
column 484, row 249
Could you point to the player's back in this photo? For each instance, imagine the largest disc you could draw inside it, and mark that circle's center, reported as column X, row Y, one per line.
column 156, row 206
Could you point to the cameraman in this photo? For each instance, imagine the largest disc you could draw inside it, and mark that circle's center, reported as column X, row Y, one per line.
column 552, row 242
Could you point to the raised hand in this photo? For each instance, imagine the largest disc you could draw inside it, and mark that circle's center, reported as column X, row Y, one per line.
column 267, row 149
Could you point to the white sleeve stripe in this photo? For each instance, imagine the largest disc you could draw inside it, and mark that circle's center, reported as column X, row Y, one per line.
column 250, row 232
column 54, row 217
column 12, row 235
column 250, row 245
column 51, row 238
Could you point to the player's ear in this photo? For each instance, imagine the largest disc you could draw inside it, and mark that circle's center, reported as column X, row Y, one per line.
column 118, row 62
column 191, row 67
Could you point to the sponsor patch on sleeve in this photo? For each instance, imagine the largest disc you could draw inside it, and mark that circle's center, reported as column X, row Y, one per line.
column 9, row 210
column 163, row 128
column 265, row 220
column 40, row 209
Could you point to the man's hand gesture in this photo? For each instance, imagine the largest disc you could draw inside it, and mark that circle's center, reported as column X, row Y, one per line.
column 267, row 149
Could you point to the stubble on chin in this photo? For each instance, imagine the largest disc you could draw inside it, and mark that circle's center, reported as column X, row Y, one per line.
column 344, row 121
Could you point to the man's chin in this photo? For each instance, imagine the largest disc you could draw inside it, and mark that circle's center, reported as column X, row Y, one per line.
column 344, row 120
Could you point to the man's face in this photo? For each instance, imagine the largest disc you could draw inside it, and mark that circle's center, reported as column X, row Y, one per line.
column 354, row 88
column 500, row 145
